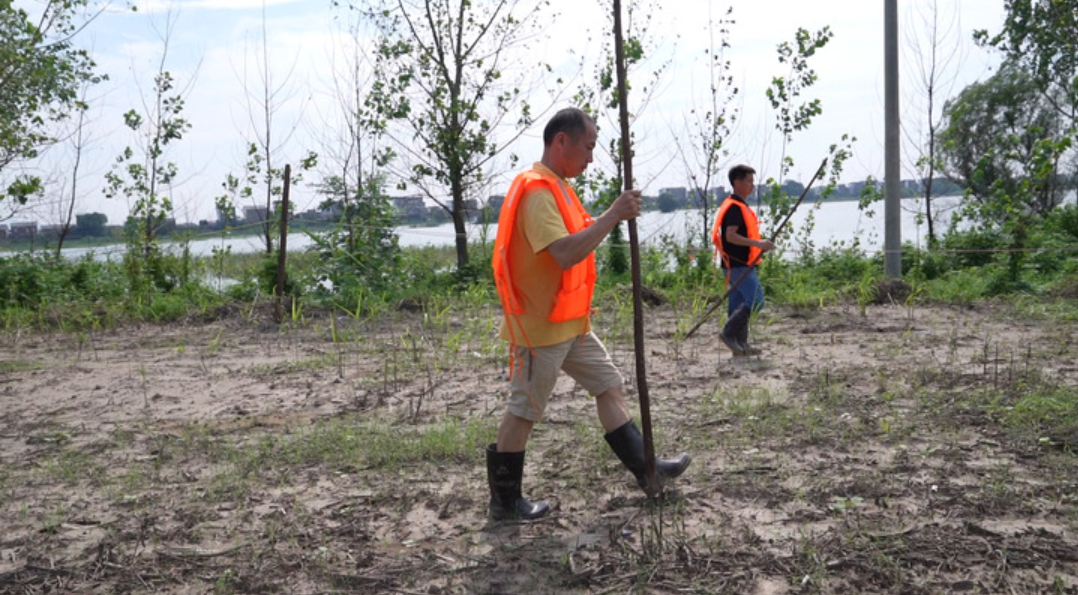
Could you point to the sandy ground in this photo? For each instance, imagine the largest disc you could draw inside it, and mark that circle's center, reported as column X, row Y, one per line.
column 861, row 452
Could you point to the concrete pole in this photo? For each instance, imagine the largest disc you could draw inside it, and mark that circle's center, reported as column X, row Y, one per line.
column 892, row 212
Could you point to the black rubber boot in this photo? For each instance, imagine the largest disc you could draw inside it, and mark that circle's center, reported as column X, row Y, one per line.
column 735, row 333
column 505, row 471
column 743, row 340
column 628, row 443
column 743, row 335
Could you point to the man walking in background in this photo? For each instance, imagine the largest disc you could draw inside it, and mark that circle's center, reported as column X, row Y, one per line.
column 544, row 269
column 738, row 245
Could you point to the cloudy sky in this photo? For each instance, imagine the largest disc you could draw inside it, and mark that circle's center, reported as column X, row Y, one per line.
column 215, row 55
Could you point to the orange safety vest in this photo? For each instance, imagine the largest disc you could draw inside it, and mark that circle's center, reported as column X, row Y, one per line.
column 752, row 229
column 573, row 299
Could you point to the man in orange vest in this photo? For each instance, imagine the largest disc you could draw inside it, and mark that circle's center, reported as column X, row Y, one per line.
column 544, row 269
column 736, row 236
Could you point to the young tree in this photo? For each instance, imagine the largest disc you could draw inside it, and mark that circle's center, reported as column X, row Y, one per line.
column 144, row 175
column 794, row 115
column 600, row 100
column 264, row 154
column 934, row 46
column 78, row 140
column 362, row 249
column 449, row 71
column 41, row 71
column 710, row 122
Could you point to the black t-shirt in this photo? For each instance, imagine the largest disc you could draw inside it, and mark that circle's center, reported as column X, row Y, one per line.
column 738, row 255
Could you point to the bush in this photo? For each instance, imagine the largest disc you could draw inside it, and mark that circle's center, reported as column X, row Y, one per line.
column 23, row 281
column 973, row 248
column 845, row 266
column 681, row 268
column 927, row 265
column 33, row 281
column 267, row 277
column 1063, row 221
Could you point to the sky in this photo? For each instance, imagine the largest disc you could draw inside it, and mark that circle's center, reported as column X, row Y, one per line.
column 215, row 56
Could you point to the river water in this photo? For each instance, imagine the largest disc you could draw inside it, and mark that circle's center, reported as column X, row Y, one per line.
column 832, row 222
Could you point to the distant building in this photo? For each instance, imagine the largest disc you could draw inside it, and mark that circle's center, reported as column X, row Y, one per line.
column 471, row 205
column 679, row 193
column 713, row 195
column 23, row 230
column 255, row 214
column 226, row 217
column 318, row 215
column 489, row 213
column 50, row 232
column 334, row 211
column 410, row 208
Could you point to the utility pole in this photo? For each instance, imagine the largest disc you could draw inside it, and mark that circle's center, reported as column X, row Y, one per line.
column 892, row 211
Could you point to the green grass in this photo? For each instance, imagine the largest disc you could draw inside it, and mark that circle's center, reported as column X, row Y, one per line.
column 51, row 522
column 69, row 466
column 242, row 462
column 753, row 414
column 377, row 444
column 8, row 367
column 744, row 402
column 342, row 446
column 1044, row 414
column 285, row 368
column 6, row 480
column 1063, row 310
column 958, row 287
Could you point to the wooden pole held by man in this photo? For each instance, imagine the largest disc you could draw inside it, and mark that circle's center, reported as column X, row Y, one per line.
column 634, row 250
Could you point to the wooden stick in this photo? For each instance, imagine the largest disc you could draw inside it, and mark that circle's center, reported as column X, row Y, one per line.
column 634, row 250
column 282, row 254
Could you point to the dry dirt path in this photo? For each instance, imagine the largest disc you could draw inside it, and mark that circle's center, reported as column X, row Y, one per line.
column 870, row 451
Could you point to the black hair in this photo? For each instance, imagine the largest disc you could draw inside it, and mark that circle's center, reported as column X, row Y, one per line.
column 739, row 172
column 570, row 120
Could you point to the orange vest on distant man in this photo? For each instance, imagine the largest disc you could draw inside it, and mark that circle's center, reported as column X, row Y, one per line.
column 752, row 231
column 573, row 299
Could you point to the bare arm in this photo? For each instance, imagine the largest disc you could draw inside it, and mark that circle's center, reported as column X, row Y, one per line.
column 739, row 240
column 576, row 247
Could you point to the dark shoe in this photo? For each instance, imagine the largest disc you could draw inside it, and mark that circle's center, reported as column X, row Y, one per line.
column 505, row 472
column 736, row 331
column 628, row 443
column 743, row 340
column 731, row 343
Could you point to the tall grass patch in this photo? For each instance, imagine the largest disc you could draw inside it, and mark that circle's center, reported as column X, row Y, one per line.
column 1044, row 414
column 343, row 446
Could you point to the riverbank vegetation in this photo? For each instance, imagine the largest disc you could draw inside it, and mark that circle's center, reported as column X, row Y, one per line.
column 44, row 292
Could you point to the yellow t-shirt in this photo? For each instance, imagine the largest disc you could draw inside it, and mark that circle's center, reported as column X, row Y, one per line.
column 536, row 275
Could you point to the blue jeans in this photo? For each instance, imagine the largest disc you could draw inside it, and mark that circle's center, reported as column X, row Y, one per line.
column 748, row 292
